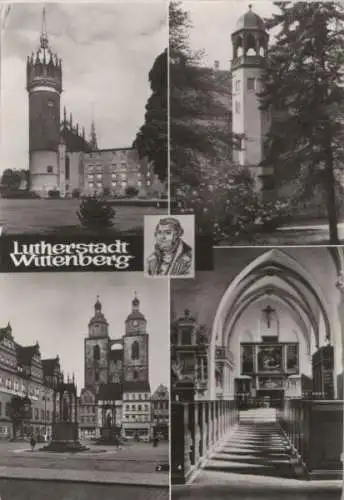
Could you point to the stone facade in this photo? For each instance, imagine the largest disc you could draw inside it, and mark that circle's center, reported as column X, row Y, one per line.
column 24, row 374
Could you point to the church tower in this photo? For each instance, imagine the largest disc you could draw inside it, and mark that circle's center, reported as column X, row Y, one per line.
column 250, row 45
column 97, row 347
column 135, row 345
column 44, row 86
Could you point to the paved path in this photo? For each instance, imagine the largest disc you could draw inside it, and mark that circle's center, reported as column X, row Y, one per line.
column 253, row 462
column 11, row 489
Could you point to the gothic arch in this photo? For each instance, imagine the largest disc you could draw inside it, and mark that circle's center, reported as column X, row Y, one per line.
column 272, row 261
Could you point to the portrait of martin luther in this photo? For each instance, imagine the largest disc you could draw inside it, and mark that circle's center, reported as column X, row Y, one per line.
column 171, row 255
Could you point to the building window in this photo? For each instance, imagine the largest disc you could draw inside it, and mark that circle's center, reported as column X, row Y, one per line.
column 135, row 375
column 123, row 183
column 139, row 408
column 114, row 184
column 133, row 407
column 49, row 169
column 99, row 177
column 123, row 176
column 139, row 175
column 91, row 185
column 148, row 183
column 99, row 184
column 237, row 85
column 36, row 414
column 90, row 177
column 96, row 353
column 67, row 165
column 42, row 414
column 237, row 107
column 135, row 350
column 51, row 104
column 114, row 176
column 250, row 83
column 139, row 183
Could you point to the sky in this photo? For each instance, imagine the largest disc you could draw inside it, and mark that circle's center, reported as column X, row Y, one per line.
column 55, row 308
column 213, row 23
column 107, row 51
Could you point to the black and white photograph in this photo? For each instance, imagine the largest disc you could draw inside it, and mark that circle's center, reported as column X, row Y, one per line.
column 84, row 406
column 169, row 246
column 257, row 376
column 83, row 116
column 256, row 120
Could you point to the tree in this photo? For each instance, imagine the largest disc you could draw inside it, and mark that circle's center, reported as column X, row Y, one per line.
column 200, row 117
column 19, row 409
column 11, row 179
column 95, row 214
column 151, row 140
column 303, row 90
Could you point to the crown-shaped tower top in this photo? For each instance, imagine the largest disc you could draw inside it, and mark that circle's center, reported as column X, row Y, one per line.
column 250, row 41
column 44, row 68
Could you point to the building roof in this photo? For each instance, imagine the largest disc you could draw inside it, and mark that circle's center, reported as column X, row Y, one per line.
column 6, row 332
column 49, row 365
column 110, row 392
column 250, row 21
column 136, row 386
column 25, row 354
column 161, row 392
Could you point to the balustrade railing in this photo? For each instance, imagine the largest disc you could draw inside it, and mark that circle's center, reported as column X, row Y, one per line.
column 196, row 428
column 314, row 429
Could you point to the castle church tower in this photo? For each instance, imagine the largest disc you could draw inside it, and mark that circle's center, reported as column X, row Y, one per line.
column 250, row 45
column 135, row 346
column 44, row 86
column 97, row 348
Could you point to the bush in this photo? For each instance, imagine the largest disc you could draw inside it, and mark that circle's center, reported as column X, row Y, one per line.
column 131, row 191
column 76, row 193
column 95, row 214
column 54, row 193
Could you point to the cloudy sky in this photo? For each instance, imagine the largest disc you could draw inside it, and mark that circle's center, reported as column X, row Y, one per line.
column 107, row 51
column 55, row 308
column 213, row 23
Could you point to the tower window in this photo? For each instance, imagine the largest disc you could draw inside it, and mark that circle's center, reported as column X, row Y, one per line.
column 135, row 375
column 51, row 104
column 250, row 83
column 135, row 350
column 237, row 107
column 96, row 353
column 49, row 169
column 237, row 85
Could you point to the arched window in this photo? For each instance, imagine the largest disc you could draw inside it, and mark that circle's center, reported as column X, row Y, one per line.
column 135, row 350
column 49, row 169
column 96, row 353
column 135, row 375
column 67, row 170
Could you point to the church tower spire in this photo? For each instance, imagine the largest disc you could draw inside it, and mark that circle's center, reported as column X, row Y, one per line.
column 44, row 86
column 250, row 123
column 93, row 137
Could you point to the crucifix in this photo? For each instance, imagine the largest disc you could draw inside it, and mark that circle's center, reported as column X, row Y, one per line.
column 268, row 311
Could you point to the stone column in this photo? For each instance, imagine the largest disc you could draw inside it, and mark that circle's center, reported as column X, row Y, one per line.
column 340, row 286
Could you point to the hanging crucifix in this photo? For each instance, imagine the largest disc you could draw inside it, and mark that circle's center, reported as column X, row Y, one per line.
column 268, row 311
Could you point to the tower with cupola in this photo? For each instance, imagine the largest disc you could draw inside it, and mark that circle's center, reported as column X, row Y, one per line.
column 249, row 122
column 44, row 86
column 97, row 348
column 135, row 346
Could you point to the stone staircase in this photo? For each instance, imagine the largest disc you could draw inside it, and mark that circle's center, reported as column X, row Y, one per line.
column 256, row 447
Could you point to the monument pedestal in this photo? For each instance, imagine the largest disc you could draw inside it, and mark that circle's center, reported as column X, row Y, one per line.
column 109, row 435
column 65, row 438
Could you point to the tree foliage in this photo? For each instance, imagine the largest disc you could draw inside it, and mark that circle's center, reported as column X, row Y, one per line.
column 95, row 214
column 151, row 140
column 199, row 108
column 12, row 179
column 304, row 91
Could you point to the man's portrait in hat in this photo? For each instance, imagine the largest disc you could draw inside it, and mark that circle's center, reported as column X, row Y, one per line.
column 171, row 255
